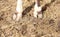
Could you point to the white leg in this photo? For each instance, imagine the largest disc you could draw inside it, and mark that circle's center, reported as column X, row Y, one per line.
column 37, row 9
column 35, row 14
column 19, row 10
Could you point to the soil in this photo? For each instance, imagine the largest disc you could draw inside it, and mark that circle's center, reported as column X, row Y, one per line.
column 29, row 26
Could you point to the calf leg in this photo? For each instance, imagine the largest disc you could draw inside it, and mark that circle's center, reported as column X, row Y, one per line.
column 37, row 9
column 19, row 10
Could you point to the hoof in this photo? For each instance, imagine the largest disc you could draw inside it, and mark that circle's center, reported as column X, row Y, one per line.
column 17, row 16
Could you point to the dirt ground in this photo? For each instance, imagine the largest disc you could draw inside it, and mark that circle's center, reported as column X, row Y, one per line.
column 28, row 26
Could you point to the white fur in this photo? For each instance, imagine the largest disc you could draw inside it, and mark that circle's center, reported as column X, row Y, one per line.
column 19, row 10
column 36, row 10
column 19, row 6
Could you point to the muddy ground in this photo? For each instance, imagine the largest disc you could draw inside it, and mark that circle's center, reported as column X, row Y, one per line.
column 28, row 26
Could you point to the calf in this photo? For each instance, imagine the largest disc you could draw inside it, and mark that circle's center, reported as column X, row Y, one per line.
column 19, row 9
